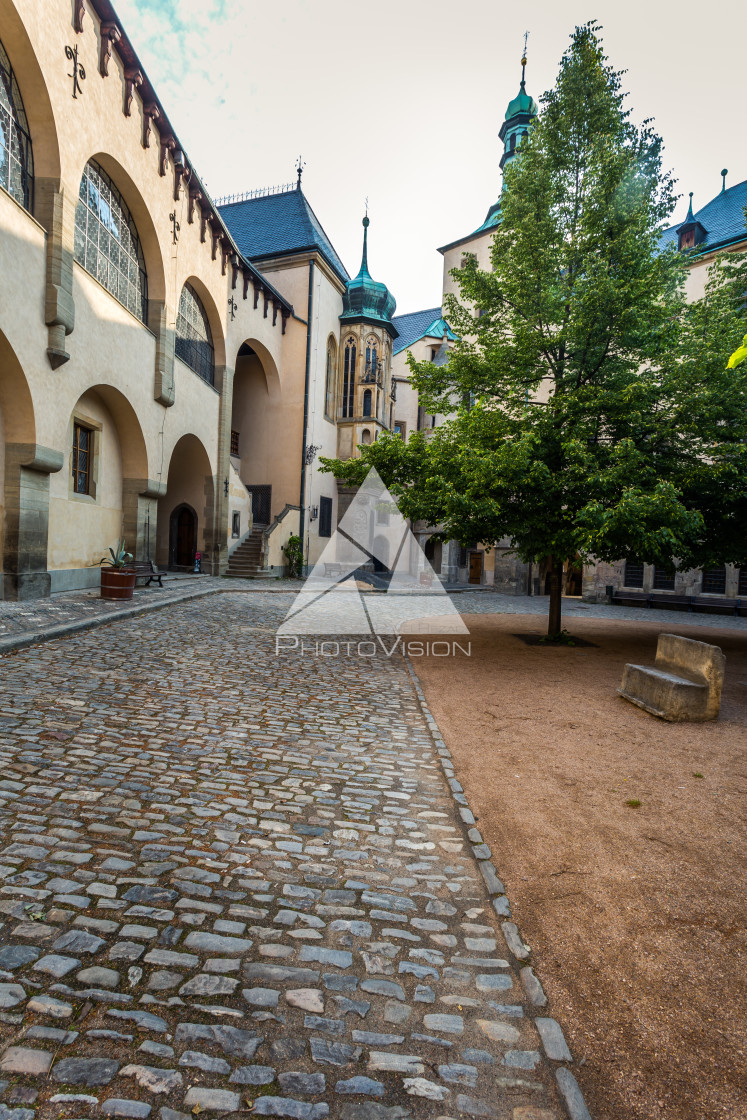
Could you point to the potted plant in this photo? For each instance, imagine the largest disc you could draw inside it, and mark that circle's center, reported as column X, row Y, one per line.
column 117, row 577
column 293, row 549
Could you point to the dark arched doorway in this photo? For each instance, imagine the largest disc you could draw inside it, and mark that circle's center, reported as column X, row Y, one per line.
column 183, row 537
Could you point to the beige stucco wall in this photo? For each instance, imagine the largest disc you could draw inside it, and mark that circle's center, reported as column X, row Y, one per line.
column 114, row 359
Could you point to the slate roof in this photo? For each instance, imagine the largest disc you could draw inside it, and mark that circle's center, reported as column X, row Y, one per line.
column 722, row 218
column 420, row 324
column 276, row 225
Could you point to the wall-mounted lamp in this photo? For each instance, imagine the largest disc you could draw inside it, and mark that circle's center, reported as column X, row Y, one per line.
column 313, row 513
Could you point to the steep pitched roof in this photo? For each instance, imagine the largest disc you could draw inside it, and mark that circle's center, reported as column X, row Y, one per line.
column 274, row 225
column 420, row 324
column 722, row 218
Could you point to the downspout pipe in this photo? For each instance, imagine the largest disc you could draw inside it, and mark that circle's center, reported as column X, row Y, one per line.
column 302, row 499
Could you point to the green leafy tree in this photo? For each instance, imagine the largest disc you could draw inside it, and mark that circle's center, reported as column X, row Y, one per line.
column 568, row 438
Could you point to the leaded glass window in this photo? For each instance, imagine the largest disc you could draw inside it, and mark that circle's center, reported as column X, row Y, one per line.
column 348, row 378
column 194, row 342
column 329, row 397
column 107, row 242
column 16, row 156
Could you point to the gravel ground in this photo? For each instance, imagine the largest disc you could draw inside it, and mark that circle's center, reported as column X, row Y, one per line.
column 636, row 915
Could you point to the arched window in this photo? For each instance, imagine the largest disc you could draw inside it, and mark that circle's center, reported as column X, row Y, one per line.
column 366, row 436
column 348, row 378
column 194, row 342
column 367, row 403
column 107, row 243
column 371, row 361
column 16, row 156
column 329, row 391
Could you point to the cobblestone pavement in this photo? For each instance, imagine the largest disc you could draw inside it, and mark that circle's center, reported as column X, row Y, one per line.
column 39, row 616
column 235, row 883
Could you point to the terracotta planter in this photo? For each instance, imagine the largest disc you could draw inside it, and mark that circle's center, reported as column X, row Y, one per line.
column 117, row 583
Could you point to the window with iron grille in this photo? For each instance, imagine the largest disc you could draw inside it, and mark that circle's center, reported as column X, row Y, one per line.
column 325, row 517
column 194, row 341
column 714, row 581
column 107, row 242
column 234, row 443
column 663, row 580
column 633, row 574
column 16, row 155
column 742, row 585
column 81, row 458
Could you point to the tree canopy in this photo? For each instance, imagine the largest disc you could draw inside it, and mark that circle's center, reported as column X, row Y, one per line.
column 590, row 412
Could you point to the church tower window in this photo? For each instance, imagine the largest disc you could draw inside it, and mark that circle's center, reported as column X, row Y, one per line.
column 329, row 392
column 367, row 403
column 348, row 379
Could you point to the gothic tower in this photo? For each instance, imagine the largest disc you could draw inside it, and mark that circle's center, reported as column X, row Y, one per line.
column 366, row 391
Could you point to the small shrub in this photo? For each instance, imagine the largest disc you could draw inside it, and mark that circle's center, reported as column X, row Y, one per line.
column 697, row 774
column 633, row 803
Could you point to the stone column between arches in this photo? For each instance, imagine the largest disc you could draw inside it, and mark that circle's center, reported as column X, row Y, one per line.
column 216, row 533
column 26, row 533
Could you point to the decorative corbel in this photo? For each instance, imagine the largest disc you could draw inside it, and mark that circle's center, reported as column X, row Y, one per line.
column 274, row 312
column 215, row 231
column 182, row 172
column 256, row 294
column 168, row 144
column 133, row 80
column 79, row 12
column 110, row 36
column 284, row 315
column 151, row 113
column 225, row 252
column 195, row 197
column 267, row 305
column 234, row 270
column 246, row 284
column 203, row 223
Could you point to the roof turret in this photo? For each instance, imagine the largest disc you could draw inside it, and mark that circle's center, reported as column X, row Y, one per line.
column 365, row 298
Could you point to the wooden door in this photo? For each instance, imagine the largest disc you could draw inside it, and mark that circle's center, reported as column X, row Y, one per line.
column 186, row 538
column 475, row 567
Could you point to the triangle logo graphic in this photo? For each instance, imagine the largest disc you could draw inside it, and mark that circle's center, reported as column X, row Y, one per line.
column 372, row 531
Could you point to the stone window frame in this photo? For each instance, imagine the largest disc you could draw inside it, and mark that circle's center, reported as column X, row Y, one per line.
column 95, row 427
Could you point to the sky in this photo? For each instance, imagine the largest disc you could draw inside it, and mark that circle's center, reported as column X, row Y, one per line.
column 400, row 102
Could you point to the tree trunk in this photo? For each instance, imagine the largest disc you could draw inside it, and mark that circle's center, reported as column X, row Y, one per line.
column 556, row 602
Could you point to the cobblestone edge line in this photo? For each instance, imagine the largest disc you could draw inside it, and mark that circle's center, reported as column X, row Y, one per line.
column 64, row 629
column 49, row 633
column 553, row 1041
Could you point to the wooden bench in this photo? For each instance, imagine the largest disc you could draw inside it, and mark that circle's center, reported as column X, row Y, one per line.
column 147, row 569
column 684, row 684
column 631, row 598
column 653, row 599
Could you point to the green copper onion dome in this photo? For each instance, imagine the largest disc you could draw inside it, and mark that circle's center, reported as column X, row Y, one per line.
column 522, row 104
column 364, row 298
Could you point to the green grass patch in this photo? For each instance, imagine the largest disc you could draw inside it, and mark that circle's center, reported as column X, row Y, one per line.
column 633, row 803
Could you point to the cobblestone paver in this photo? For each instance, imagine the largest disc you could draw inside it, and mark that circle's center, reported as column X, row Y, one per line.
column 235, row 883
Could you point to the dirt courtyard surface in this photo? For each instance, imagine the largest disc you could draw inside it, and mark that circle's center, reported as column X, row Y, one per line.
column 635, row 915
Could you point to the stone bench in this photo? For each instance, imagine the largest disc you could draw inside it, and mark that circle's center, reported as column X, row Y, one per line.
column 683, row 685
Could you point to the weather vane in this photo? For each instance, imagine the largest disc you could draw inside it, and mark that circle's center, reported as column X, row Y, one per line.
column 526, row 37
column 299, row 168
column 366, row 205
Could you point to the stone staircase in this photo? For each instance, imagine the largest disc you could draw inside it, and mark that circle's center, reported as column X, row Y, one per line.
column 245, row 560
